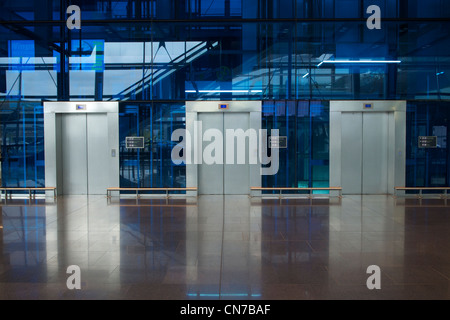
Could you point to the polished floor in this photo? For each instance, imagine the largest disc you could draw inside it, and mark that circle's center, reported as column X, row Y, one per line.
column 228, row 247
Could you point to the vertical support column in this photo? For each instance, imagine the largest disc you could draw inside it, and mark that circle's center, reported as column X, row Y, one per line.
column 63, row 74
column 1, row 231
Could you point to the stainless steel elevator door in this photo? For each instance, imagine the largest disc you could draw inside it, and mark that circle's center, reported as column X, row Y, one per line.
column 375, row 153
column 210, row 176
column 351, row 151
column 97, row 153
column 237, row 175
column 364, row 150
column 84, row 150
column 226, row 178
column 74, row 154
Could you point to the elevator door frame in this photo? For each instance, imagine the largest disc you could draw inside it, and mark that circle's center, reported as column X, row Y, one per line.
column 193, row 108
column 52, row 136
column 397, row 135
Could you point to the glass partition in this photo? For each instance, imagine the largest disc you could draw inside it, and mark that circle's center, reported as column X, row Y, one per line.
column 154, row 55
column 151, row 166
column 305, row 161
column 427, row 167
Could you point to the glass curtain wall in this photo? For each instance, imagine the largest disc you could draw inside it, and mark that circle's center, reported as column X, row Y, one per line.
column 427, row 166
column 305, row 161
column 154, row 55
column 151, row 166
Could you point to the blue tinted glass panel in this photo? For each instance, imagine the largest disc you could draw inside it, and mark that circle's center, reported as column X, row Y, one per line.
column 427, row 167
column 22, row 152
column 151, row 166
column 305, row 161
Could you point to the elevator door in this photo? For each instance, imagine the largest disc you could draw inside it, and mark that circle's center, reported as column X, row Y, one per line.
column 210, row 176
column 227, row 178
column 365, row 152
column 84, row 153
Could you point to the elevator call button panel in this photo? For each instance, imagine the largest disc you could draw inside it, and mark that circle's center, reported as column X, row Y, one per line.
column 134, row 142
column 278, row 142
column 428, row 142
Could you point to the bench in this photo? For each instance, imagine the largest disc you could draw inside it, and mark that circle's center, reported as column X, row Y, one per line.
column 310, row 190
column 420, row 189
column 147, row 190
column 31, row 191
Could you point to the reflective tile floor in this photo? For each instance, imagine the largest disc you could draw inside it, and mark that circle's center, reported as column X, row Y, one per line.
column 225, row 248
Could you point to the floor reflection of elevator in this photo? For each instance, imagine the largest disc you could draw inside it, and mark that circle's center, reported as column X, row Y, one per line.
column 223, row 246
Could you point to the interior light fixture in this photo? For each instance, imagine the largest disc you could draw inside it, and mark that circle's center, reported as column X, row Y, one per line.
column 360, row 62
column 307, row 74
column 223, row 91
column 440, row 73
